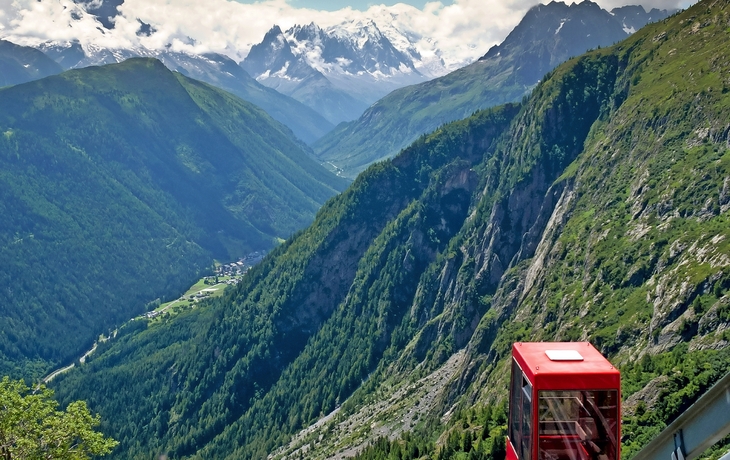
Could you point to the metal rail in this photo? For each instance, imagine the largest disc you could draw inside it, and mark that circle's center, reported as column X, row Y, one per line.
column 702, row 425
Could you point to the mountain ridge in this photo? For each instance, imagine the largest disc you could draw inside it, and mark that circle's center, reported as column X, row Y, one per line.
column 547, row 35
column 21, row 64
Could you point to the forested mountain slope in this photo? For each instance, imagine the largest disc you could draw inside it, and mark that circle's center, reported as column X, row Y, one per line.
column 595, row 210
column 120, row 184
column 547, row 36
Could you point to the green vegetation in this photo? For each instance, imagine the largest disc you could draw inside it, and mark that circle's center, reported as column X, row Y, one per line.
column 266, row 363
column 32, row 427
column 307, row 124
column 595, row 210
column 477, row 433
column 685, row 376
column 121, row 184
column 399, row 118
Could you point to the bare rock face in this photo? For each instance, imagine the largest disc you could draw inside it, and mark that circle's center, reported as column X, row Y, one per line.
column 647, row 396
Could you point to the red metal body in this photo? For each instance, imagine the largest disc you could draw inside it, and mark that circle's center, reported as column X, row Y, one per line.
column 564, row 403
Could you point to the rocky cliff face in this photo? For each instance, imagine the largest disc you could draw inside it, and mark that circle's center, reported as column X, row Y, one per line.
column 634, row 17
column 575, row 235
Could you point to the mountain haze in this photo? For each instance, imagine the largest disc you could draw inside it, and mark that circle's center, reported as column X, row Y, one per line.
column 596, row 209
column 546, row 36
column 21, row 64
column 120, row 185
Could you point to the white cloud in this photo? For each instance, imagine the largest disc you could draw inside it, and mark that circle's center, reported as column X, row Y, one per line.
column 463, row 31
column 647, row 4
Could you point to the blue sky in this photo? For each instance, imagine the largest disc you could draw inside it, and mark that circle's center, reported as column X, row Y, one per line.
column 362, row 5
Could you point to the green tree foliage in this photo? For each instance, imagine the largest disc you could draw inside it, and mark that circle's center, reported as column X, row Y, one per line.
column 477, row 433
column 32, row 427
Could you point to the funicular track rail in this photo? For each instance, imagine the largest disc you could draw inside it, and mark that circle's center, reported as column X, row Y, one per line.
column 706, row 422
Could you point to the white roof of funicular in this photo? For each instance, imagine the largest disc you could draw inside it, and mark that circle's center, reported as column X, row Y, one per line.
column 564, row 355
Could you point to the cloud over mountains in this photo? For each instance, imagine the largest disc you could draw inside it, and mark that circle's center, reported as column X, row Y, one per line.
column 461, row 31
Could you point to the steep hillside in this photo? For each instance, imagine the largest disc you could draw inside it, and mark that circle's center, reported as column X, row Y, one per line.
column 119, row 185
column 604, row 218
column 546, row 36
column 597, row 209
column 263, row 328
column 20, row 64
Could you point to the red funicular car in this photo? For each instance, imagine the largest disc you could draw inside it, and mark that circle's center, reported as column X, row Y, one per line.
column 564, row 403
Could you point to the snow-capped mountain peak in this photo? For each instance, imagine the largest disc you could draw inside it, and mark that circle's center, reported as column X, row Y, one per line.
column 359, row 32
column 341, row 69
column 276, row 40
column 310, row 31
column 349, row 49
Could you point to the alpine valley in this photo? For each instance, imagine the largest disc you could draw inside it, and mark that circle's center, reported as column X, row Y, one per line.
column 311, row 79
column 357, row 64
column 120, row 185
column 594, row 208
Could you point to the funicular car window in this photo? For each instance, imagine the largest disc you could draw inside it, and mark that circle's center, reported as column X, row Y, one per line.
column 515, row 406
column 527, row 412
column 520, row 426
column 578, row 425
